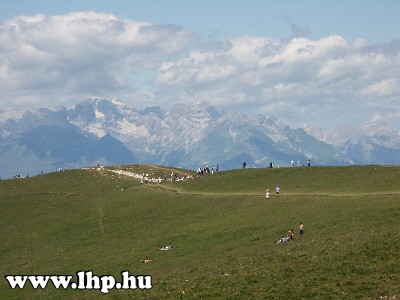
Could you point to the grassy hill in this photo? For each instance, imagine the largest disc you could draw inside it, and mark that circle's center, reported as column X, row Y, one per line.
column 222, row 228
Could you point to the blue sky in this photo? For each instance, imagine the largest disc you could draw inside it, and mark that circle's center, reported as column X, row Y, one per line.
column 327, row 63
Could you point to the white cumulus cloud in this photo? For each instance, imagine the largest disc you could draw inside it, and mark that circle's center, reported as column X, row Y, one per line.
column 80, row 54
column 52, row 60
column 329, row 80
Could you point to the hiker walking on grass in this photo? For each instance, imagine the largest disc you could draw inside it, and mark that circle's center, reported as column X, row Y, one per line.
column 301, row 228
column 277, row 191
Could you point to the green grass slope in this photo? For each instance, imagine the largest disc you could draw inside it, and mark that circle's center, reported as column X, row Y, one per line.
column 222, row 227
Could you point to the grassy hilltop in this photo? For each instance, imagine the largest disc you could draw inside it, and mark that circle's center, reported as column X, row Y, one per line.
column 222, row 228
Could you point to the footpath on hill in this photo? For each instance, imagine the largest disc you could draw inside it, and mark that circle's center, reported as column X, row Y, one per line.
column 150, row 177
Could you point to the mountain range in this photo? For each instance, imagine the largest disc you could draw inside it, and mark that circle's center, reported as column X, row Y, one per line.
column 187, row 135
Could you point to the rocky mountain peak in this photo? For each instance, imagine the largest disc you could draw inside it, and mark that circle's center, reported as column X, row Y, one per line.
column 187, row 135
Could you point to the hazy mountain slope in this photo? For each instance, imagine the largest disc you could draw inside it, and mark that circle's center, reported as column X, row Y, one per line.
column 187, row 135
column 375, row 143
column 50, row 147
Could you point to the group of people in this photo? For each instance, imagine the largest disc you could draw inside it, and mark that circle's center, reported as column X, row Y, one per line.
column 287, row 238
column 271, row 165
column 166, row 247
column 299, row 164
column 145, row 178
column 277, row 192
column 19, row 176
column 15, row 176
column 290, row 236
column 207, row 170
column 292, row 163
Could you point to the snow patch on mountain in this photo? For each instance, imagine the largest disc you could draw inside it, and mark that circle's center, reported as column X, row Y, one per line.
column 378, row 133
column 95, row 129
column 12, row 115
column 314, row 131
